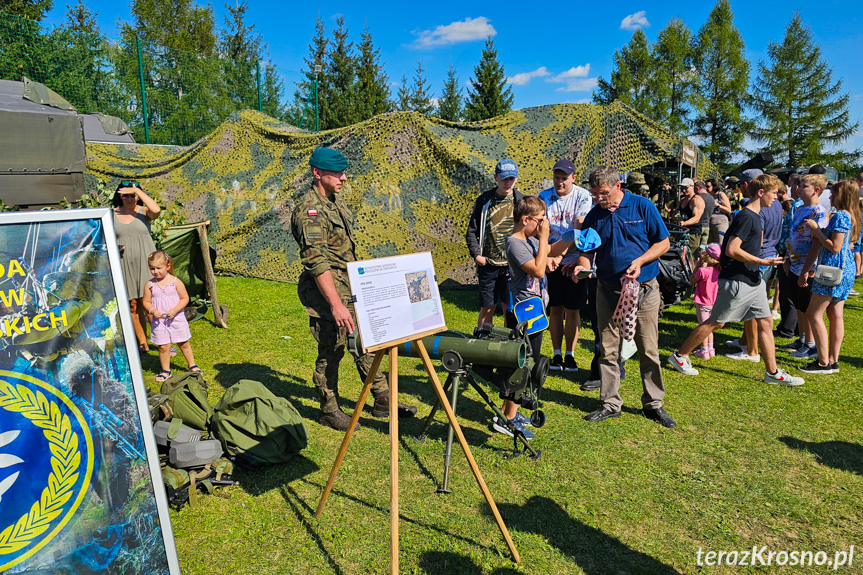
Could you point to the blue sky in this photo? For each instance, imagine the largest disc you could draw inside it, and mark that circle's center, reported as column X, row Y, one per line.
column 552, row 54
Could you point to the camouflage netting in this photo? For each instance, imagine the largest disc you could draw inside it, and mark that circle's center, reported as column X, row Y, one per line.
column 411, row 184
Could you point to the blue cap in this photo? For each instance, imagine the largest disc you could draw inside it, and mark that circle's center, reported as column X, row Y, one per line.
column 328, row 159
column 506, row 169
column 588, row 240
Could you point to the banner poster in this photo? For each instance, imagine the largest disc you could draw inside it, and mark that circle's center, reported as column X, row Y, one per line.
column 80, row 484
column 396, row 298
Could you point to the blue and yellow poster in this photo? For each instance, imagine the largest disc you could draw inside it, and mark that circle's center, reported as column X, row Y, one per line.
column 80, row 487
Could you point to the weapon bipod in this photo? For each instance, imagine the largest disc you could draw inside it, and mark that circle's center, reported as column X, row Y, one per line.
column 454, row 379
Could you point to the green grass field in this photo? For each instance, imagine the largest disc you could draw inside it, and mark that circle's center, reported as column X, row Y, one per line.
column 748, row 465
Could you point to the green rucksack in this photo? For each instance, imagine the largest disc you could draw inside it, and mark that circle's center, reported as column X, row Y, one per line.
column 188, row 400
column 252, row 422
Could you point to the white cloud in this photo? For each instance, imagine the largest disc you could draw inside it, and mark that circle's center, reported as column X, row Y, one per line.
column 579, row 85
column 574, row 72
column 468, row 30
column 583, row 101
column 525, row 77
column 635, row 21
column 576, row 79
column 434, row 102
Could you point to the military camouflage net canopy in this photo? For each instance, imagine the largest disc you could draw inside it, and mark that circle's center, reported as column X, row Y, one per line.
column 412, row 179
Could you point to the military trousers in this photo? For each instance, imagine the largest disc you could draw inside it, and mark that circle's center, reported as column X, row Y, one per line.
column 331, row 341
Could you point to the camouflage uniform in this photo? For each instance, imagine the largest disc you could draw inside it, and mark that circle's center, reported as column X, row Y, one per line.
column 323, row 229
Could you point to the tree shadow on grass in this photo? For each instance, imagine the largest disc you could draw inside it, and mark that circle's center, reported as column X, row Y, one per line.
column 385, row 513
column 304, row 513
column 259, row 481
column 589, row 548
column 583, row 403
column 842, row 455
column 463, row 299
column 281, row 384
column 448, row 563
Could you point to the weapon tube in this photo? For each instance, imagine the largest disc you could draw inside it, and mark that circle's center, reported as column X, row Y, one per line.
column 511, row 354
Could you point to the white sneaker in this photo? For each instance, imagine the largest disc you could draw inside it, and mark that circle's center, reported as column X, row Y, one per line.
column 736, row 343
column 782, row 377
column 681, row 364
column 742, row 355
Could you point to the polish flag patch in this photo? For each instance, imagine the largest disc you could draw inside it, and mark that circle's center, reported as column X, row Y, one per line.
column 313, row 212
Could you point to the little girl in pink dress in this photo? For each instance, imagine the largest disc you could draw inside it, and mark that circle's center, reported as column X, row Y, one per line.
column 165, row 299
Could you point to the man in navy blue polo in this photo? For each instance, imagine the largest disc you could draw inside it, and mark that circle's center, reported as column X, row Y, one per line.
column 633, row 237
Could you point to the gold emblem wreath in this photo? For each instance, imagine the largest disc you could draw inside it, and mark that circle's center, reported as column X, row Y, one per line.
column 65, row 461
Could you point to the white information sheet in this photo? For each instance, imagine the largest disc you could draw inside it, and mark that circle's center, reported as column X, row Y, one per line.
column 396, row 298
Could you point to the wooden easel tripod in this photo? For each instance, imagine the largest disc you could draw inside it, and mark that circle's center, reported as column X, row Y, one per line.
column 392, row 349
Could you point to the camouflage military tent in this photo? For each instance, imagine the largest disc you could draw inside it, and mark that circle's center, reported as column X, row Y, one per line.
column 411, row 182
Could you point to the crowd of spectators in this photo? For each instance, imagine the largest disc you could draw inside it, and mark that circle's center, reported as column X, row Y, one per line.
column 747, row 235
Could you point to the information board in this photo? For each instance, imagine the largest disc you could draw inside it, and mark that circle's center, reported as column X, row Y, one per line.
column 397, row 299
column 80, row 483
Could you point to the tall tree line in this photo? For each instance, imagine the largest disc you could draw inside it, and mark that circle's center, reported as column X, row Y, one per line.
column 699, row 85
column 195, row 72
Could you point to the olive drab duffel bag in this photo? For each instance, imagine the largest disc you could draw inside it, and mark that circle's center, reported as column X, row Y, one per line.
column 188, row 400
column 253, row 422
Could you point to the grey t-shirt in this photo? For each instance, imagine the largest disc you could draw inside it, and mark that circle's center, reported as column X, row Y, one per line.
column 518, row 253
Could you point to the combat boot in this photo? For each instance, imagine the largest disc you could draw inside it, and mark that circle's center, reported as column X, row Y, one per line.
column 337, row 419
column 381, row 408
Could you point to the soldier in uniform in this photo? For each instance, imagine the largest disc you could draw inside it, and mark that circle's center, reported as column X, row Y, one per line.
column 322, row 226
column 636, row 184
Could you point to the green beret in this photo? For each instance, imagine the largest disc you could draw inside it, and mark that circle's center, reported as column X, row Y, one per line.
column 328, row 159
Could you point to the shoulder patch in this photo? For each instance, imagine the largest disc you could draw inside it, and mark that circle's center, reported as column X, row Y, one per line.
column 312, row 212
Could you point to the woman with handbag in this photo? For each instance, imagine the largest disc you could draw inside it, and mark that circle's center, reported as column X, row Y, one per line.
column 834, row 275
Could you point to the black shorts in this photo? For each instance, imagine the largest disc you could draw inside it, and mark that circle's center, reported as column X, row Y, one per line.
column 800, row 296
column 493, row 285
column 563, row 291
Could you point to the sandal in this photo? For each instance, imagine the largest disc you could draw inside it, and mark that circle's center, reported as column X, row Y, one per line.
column 163, row 375
column 195, row 369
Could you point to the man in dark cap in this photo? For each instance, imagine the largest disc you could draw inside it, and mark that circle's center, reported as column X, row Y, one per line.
column 322, row 225
column 566, row 206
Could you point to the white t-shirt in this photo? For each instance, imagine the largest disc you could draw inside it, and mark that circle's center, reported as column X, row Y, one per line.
column 824, row 200
column 562, row 211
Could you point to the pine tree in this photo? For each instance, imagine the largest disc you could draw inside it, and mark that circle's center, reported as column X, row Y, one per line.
column 186, row 95
column 721, row 88
column 802, row 110
column 31, row 9
column 272, row 93
column 372, row 81
column 404, row 95
column 671, row 84
column 489, row 95
column 241, row 46
column 630, row 79
column 305, row 92
column 342, row 95
column 450, row 103
column 77, row 65
column 420, row 97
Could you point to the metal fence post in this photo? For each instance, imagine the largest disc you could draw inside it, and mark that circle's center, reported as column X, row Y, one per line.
column 143, row 90
column 260, row 108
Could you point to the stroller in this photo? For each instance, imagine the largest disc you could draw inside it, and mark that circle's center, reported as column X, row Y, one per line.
column 675, row 268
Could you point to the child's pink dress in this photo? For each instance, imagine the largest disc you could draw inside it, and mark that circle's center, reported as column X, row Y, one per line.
column 164, row 330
